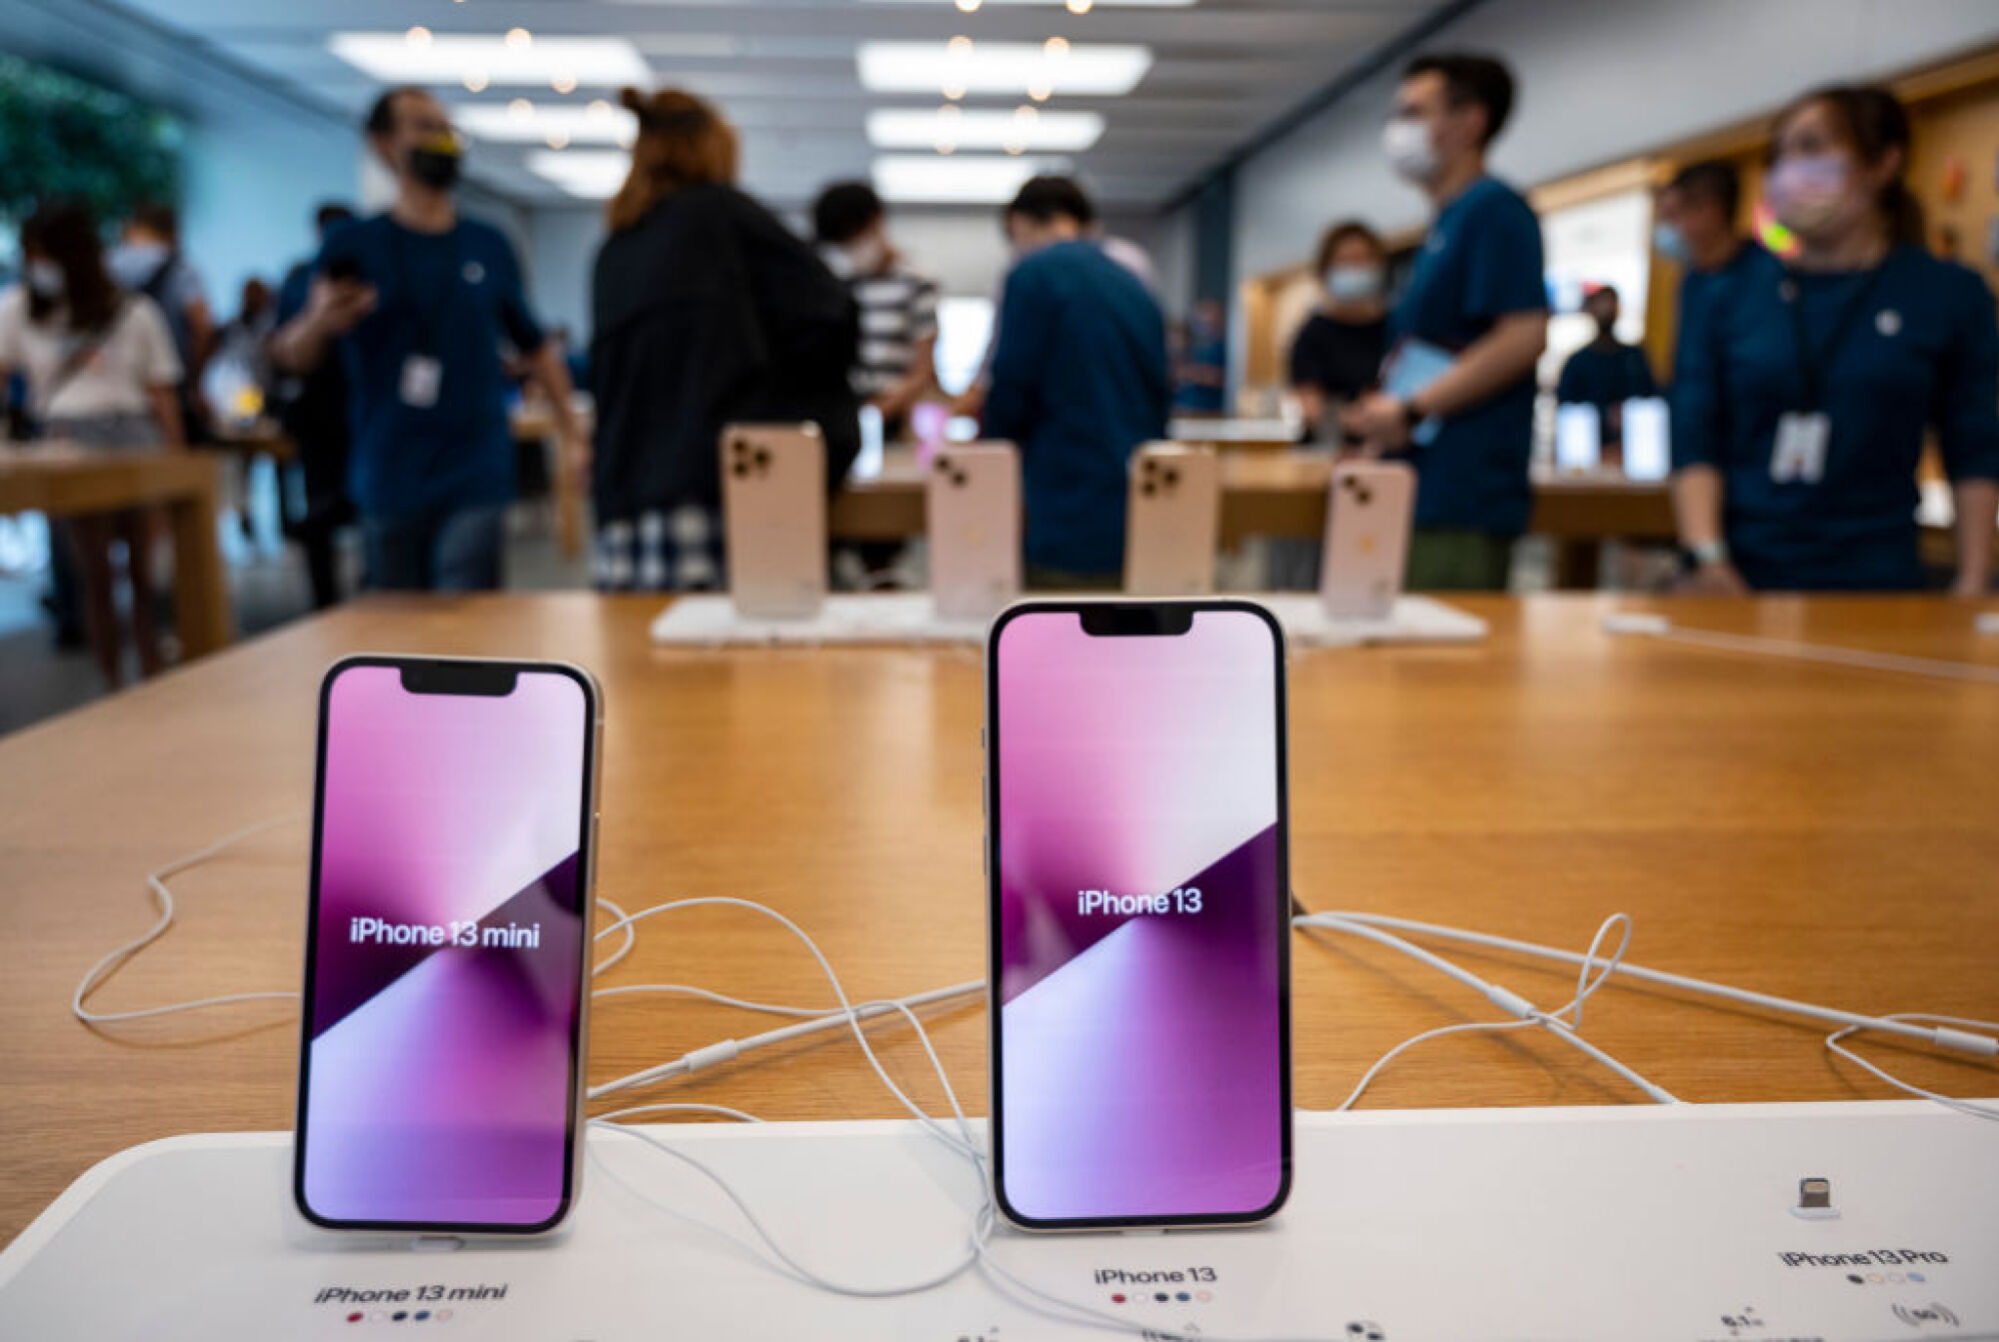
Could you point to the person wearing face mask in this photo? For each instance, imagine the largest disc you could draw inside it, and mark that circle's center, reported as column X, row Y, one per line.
column 1337, row 354
column 1695, row 230
column 1080, row 380
column 417, row 302
column 1606, row 372
column 896, row 365
column 1802, row 402
column 101, row 371
column 1458, row 396
column 148, row 260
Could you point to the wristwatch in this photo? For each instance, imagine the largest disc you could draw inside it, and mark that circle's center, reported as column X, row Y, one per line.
column 1702, row 553
column 1411, row 416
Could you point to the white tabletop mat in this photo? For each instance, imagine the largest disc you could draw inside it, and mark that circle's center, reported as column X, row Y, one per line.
column 705, row 621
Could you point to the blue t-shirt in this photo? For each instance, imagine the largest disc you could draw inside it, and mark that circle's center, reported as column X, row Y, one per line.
column 1603, row 377
column 1921, row 351
column 1079, row 382
column 1210, row 356
column 453, row 297
column 1480, row 262
column 1699, row 289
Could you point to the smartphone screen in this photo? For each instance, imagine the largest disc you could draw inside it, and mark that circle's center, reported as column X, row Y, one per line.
column 447, row 943
column 1140, row 899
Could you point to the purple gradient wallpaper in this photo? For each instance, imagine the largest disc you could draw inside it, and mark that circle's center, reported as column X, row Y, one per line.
column 1141, row 922
column 448, row 953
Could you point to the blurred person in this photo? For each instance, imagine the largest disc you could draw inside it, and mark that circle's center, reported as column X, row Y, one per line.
column 1079, row 382
column 1696, row 230
column 1336, row 356
column 312, row 409
column 1201, row 372
column 1801, row 406
column 1077, row 203
column 101, row 371
column 240, row 344
column 148, row 260
column 897, row 364
column 418, row 302
column 1606, row 372
column 707, row 310
column 1476, row 309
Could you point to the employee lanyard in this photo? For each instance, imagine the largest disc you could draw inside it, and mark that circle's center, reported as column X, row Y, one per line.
column 428, row 318
column 1812, row 363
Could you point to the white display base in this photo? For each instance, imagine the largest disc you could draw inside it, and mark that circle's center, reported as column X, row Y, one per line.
column 1640, row 1223
column 704, row 621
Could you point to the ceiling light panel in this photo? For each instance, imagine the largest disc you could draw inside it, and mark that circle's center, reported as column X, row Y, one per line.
column 492, row 59
column 591, row 174
column 971, row 128
column 599, row 123
column 959, row 179
column 1088, row 68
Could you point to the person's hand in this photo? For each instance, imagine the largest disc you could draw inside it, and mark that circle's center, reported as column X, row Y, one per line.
column 1716, row 579
column 1377, row 420
column 1970, row 582
column 336, row 307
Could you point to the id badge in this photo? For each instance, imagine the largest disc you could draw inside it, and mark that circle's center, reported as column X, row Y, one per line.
column 423, row 374
column 1799, row 456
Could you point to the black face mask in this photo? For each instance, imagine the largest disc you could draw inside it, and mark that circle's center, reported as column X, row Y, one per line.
column 435, row 169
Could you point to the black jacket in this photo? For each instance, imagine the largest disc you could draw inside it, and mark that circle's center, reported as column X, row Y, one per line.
column 709, row 311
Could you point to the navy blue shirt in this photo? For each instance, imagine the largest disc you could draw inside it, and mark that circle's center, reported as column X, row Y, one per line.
column 1481, row 261
column 1699, row 289
column 1921, row 352
column 1080, row 381
column 1604, row 377
column 454, row 297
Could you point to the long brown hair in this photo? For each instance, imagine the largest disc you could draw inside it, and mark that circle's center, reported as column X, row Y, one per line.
column 65, row 231
column 682, row 142
column 1874, row 124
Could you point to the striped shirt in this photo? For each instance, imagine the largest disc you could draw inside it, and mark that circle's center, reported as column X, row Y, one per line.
column 898, row 311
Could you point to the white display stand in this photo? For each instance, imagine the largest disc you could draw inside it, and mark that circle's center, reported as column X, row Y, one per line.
column 1671, row 1223
column 704, row 621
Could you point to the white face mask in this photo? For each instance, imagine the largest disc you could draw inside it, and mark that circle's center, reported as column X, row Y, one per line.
column 866, row 255
column 43, row 278
column 1354, row 284
column 1410, row 149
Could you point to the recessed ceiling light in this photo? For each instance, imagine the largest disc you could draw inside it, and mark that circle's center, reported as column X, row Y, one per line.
column 1055, row 48
column 591, row 174
column 557, row 140
column 563, row 81
column 968, row 6
column 418, row 36
column 964, row 180
column 1079, row 6
column 450, row 58
column 1062, row 132
column 1040, row 89
column 476, row 81
column 1003, row 67
column 519, row 38
column 502, row 124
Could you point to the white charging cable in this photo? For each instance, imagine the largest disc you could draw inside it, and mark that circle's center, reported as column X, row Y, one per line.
column 1950, row 1034
column 1564, row 1023
column 1647, row 625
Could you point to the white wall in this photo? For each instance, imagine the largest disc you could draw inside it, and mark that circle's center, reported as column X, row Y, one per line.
column 1599, row 80
column 252, row 184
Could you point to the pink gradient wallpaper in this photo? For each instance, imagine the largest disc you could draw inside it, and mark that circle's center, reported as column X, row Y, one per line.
column 449, row 928
column 1141, row 1028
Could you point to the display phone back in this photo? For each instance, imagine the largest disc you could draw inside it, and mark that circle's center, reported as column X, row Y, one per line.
column 1368, row 510
column 973, row 505
column 447, row 947
column 774, row 516
column 1138, row 914
column 1173, row 521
